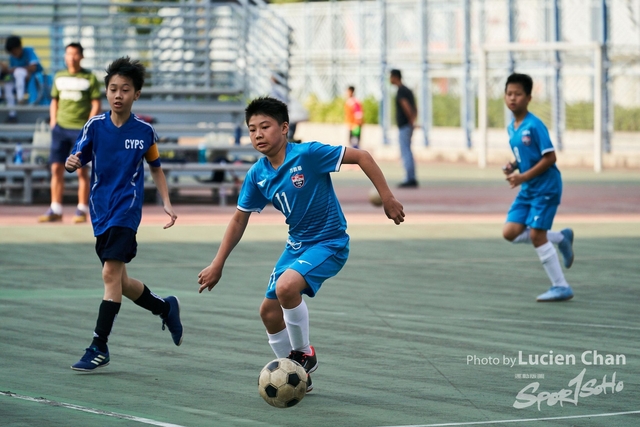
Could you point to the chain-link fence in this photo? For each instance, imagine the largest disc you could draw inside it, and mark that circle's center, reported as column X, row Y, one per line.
column 436, row 44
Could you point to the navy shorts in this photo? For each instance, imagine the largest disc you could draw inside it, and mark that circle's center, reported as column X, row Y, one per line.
column 316, row 262
column 62, row 140
column 117, row 243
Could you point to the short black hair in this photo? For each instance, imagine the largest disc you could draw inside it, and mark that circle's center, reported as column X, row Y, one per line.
column 396, row 73
column 126, row 67
column 12, row 42
column 351, row 88
column 523, row 80
column 268, row 106
column 76, row 45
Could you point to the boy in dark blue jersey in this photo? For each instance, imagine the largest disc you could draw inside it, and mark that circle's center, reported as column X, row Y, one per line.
column 117, row 142
column 531, row 215
column 295, row 178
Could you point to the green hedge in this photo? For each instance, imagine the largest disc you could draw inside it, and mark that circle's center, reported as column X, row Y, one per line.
column 333, row 111
column 446, row 112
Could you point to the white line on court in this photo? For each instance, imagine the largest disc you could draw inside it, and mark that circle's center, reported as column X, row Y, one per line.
column 89, row 410
column 525, row 420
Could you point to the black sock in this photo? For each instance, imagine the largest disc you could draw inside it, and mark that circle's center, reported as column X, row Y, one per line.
column 106, row 317
column 152, row 302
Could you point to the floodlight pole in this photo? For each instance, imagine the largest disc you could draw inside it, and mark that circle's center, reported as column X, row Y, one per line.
column 384, row 99
column 425, row 97
column 558, row 107
column 606, row 84
column 512, row 13
column 482, row 108
column 511, row 5
column 468, row 98
column 598, row 119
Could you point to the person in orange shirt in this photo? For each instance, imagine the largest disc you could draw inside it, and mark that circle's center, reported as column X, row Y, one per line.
column 353, row 117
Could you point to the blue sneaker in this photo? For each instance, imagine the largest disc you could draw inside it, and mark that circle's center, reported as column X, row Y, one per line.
column 566, row 247
column 556, row 293
column 92, row 359
column 172, row 320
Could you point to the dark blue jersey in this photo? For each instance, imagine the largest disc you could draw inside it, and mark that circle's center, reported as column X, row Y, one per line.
column 529, row 143
column 301, row 189
column 117, row 173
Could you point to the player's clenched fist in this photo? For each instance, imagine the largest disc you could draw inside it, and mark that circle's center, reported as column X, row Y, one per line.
column 73, row 162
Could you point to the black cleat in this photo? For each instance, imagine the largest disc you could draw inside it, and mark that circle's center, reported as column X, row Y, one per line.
column 308, row 361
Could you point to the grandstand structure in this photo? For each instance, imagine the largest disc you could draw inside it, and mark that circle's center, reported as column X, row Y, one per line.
column 199, row 54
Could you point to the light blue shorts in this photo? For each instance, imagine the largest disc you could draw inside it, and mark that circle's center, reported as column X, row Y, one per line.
column 534, row 212
column 316, row 262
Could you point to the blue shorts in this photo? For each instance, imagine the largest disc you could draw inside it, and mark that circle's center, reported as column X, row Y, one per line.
column 62, row 140
column 534, row 212
column 117, row 243
column 316, row 262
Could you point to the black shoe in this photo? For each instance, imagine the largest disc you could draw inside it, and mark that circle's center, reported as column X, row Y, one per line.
column 11, row 120
column 308, row 361
column 412, row 183
column 309, row 383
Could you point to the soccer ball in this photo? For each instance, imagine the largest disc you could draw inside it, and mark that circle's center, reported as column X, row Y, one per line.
column 282, row 383
column 374, row 197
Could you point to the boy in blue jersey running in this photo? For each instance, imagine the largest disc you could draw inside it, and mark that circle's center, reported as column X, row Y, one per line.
column 295, row 178
column 117, row 142
column 531, row 215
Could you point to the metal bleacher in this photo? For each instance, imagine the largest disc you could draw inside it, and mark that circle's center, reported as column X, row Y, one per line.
column 200, row 57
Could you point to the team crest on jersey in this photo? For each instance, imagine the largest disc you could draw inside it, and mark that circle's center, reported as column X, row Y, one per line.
column 298, row 180
column 526, row 137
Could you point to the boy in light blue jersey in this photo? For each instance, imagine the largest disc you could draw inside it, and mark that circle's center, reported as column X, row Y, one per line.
column 23, row 63
column 295, row 178
column 531, row 215
column 117, row 143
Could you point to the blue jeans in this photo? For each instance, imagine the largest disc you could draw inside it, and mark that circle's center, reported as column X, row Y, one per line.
column 405, row 132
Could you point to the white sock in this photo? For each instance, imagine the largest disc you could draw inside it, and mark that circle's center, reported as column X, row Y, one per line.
column 56, row 208
column 524, row 237
column 555, row 237
column 82, row 207
column 10, row 97
column 20, row 76
column 549, row 259
column 280, row 343
column 297, row 321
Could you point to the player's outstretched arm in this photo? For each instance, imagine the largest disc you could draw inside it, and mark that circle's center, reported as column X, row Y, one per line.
column 161, row 184
column 392, row 207
column 210, row 275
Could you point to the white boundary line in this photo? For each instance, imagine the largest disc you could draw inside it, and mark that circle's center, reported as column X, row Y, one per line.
column 89, row 410
column 525, row 420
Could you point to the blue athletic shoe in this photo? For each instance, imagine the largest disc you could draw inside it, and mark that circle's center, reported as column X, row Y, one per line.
column 566, row 247
column 556, row 293
column 172, row 320
column 92, row 359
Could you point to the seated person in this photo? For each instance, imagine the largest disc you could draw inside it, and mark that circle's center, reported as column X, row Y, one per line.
column 23, row 63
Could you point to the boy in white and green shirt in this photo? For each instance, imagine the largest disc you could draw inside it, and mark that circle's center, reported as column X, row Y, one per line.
column 75, row 98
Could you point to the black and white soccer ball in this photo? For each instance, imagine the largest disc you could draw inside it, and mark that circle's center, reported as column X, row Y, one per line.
column 282, row 383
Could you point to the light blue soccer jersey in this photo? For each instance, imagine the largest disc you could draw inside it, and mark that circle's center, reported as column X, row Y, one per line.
column 117, row 172
column 529, row 143
column 28, row 57
column 301, row 189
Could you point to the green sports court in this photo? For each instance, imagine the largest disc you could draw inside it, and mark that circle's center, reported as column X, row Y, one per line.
column 430, row 323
